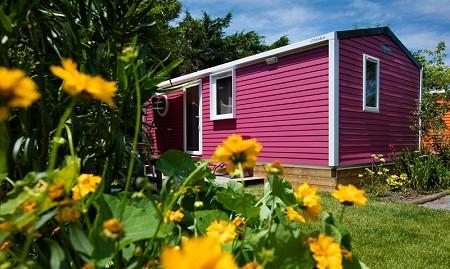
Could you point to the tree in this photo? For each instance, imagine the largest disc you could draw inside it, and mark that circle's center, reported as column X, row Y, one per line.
column 202, row 43
column 435, row 95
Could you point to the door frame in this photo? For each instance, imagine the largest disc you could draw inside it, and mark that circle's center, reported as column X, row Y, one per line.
column 197, row 84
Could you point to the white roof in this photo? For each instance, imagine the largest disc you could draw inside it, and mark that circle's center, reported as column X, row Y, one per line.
column 248, row 60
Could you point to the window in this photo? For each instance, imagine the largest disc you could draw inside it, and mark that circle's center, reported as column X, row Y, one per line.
column 223, row 99
column 371, row 84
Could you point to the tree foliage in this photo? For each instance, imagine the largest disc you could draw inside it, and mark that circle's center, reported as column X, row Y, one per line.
column 202, row 43
column 435, row 95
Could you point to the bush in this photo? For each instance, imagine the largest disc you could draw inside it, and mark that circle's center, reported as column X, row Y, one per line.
column 61, row 217
column 425, row 171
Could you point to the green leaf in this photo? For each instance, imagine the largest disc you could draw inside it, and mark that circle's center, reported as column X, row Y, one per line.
column 4, row 146
column 12, row 204
column 282, row 189
column 290, row 249
column 139, row 220
column 176, row 164
column 68, row 173
column 80, row 242
column 204, row 218
column 5, row 21
column 57, row 256
column 242, row 203
column 128, row 251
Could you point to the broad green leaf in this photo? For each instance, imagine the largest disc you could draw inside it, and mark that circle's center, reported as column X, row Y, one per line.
column 204, row 218
column 57, row 256
column 290, row 248
column 68, row 173
column 80, row 242
column 128, row 251
column 176, row 164
column 11, row 205
column 239, row 202
column 4, row 145
column 139, row 221
column 282, row 189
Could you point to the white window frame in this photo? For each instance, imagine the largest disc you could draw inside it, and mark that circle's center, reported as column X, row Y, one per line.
column 377, row 61
column 197, row 84
column 213, row 94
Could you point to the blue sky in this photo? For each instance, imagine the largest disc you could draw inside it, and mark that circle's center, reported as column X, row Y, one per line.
column 418, row 23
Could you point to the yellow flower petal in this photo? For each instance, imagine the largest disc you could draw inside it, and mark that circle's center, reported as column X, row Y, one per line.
column 349, row 195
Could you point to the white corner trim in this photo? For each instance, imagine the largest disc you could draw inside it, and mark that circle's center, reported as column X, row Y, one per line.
column 333, row 101
column 247, row 60
column 377, row 61
column 213, row 94
column 420, row 107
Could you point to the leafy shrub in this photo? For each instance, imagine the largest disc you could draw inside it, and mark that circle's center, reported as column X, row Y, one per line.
column 374, row 178
column 425, row 171
column 61, row 218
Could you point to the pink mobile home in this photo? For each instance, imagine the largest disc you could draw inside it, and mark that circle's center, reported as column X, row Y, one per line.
column 320, row 106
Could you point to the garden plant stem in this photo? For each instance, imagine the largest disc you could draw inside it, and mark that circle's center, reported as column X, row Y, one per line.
column 58, row 132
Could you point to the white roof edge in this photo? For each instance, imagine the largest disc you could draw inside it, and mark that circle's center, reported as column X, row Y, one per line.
column 247, row 60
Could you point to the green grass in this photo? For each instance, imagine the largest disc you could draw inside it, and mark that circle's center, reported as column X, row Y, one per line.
column 392, row 235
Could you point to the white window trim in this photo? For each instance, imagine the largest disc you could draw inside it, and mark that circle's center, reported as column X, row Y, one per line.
column 377, row 61
column 197, row 84
column 213, row 94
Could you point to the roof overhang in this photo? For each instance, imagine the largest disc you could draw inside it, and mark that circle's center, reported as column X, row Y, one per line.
column 286, row 50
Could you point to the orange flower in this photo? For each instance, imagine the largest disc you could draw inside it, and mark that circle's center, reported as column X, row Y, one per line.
column 327, row 252
column 29, row 206
column 86, row 183
column 252, row 265
column 174, row 216
column 67, row 214
column 274, row 168
column 221, row 230
column 112, row 228
column 235, row 150
column 56, row 191
column 293, row 215
column 16, row 90
column 238, row 221
column 349, row 195
column 76, row 83
column 202, row 252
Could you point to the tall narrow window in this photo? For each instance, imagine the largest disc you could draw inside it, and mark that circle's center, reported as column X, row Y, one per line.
column 371, row 84
column 222, row 95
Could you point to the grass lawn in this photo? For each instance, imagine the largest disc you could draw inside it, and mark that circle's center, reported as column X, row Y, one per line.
column 392, row 235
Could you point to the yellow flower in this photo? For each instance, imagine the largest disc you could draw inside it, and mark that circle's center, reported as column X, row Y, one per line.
column 238, row 221
column 309, row 201
column 174, row 216
column 16, row 90
column 198, row 253
column 68, row 214
column 221, row 230
column 235, row 150
column 76, row 83
column 326, row 252
column 274, row 168
column 112, row 228
column 349, row 195
column 86, row 183
column 252, row 265
column 293, row 215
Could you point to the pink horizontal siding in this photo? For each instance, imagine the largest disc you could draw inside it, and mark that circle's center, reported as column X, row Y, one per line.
column 363, row 133
column 284, row 106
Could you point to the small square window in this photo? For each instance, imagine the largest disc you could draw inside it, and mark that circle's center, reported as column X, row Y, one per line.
column 222, row 90
column 371, row 84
